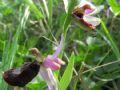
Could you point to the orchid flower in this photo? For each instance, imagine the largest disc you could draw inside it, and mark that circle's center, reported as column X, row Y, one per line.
column 82, row 13
column 21, row 76
column 51, row 62
column 54, row 63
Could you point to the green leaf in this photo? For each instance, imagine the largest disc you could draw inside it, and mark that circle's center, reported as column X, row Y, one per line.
column 118, row 83
column 108, row 38
column 115, row 7
column 1, row 44
column 50, row 10
column 66, row 5
column 67, row 21
column 71, row 5
column 10, row 49
column 33, row 8
column 67, row 76
column 36, row 86
column 68, row 15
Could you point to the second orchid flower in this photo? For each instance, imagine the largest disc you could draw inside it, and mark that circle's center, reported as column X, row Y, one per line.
column 83, row 14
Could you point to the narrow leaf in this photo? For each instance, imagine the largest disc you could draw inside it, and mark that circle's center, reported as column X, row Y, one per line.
column 33, row 8
column 114, row 6
column 106, row 35
column 66, row 5
column 50, row 10
column 67, row 76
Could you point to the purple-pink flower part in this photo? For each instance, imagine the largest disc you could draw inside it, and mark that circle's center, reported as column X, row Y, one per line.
column 48, row 76
column 53, row 64
column 52, row 61
column 59, row 48
column 118, row 1
column 82, row 13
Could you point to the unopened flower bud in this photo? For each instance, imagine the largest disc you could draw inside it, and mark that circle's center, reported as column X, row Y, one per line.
column 34, row 51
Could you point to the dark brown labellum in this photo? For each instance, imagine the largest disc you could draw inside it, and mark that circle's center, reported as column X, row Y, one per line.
column 78, row 13
column 20, row 77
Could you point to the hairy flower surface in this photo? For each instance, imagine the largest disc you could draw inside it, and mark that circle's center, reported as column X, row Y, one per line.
column 21, row 76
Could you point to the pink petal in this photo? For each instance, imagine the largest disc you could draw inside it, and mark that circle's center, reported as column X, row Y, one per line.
column 88, row 11
column 59, row 48
column 48, row 76
column 50, row 63
column 91, row 20
column 60, row 61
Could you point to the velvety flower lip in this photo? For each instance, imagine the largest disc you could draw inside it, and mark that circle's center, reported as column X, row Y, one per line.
column 21, row 76
column 82, row 13
column 52, row 61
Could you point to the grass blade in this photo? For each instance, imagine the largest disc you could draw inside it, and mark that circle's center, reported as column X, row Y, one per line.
column 67, row 76
column 106, row 35
column 66, row 5
column 16, row 37
column 50, row 10
column 11, row 48
column 34, row 9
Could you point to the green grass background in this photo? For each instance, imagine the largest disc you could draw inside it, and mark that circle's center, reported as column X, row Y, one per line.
column 92, row 56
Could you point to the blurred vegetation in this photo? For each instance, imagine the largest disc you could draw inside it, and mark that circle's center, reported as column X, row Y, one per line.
column 39, row 23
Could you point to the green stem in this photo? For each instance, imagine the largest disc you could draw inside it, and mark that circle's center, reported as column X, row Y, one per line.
column 80, row 76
